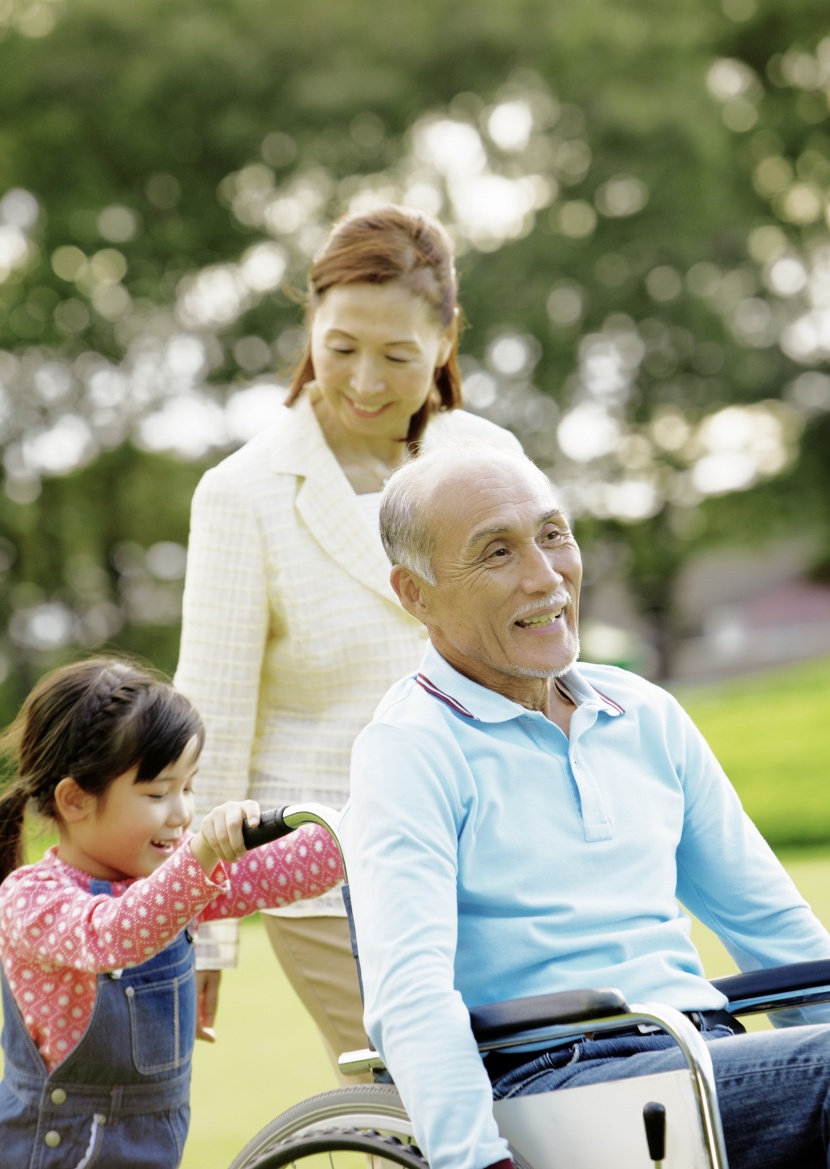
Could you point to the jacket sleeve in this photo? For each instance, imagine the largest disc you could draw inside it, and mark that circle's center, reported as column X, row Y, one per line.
column 224, row 629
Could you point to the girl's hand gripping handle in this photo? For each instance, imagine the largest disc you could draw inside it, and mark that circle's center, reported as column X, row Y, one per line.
column 271, row 826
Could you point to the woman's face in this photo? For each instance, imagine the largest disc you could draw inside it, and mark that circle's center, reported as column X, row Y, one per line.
column 375, row 349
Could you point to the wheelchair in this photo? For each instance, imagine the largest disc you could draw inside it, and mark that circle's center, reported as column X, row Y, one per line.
column 664, row 1121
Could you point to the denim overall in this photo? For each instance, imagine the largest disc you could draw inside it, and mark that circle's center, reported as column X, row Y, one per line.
column 120, row 1100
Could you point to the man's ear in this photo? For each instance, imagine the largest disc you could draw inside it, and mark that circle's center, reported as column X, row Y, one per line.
column 72, row 803
column 410, row 591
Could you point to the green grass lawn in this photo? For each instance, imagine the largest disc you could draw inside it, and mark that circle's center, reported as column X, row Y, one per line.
column 771, row 734
column 267, row 1056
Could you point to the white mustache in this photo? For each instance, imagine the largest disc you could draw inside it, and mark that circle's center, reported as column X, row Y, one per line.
column 557, row 601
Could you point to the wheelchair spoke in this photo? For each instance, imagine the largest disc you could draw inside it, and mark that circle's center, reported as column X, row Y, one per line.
column 342, row 1148
column 373, row 1109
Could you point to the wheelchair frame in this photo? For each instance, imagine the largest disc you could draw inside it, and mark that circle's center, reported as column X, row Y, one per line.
column 371, row 1119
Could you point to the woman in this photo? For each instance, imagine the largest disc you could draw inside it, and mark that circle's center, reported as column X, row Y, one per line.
column 291, row 631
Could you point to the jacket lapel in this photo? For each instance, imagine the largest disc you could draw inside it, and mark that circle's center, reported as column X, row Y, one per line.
column 325, row 500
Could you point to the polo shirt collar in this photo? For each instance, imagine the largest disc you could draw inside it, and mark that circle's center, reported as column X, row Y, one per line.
column 584, row 693
column 471, row 700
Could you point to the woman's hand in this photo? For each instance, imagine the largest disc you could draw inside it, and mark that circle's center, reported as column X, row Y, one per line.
column 207, row 1003
column 220, row 836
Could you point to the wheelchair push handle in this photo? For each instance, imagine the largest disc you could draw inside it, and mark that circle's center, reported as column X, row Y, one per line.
column 277, row 822
column 271, row 826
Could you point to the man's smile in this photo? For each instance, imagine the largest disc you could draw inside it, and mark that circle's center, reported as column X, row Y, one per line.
column 542, row 614
column 540, row 621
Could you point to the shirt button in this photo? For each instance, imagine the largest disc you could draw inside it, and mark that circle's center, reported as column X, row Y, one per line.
column 58, row 1096
column 52, row 1139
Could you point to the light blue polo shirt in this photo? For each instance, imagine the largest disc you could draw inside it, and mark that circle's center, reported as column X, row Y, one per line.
column 491, row 856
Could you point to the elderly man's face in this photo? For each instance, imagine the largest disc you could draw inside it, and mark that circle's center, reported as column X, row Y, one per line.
column 504, row 608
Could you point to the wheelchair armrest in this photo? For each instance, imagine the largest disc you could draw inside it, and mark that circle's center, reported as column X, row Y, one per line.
column 794, row 985
column 495, row 1020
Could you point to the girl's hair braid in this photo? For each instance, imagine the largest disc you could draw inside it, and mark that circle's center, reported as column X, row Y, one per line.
column 93, row 720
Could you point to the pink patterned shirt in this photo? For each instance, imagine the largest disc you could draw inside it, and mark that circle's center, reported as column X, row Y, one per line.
column 56, row 937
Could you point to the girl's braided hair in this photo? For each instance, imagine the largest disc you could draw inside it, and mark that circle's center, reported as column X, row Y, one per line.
column 93, row 720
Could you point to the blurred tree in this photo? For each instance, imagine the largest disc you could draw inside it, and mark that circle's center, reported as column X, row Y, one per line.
column 638, row 190
column 96, row 563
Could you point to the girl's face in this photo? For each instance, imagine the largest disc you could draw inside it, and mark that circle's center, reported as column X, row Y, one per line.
column 134, row 827
column 375, row 349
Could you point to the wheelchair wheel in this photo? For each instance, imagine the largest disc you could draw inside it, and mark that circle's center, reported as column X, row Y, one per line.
column 342, row 1148
column 374, row 1109
column 328, row 1130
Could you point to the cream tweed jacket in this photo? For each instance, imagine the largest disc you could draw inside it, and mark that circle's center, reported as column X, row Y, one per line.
column 291, row 632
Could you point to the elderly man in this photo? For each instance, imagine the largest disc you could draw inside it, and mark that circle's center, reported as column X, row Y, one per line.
column 520, row 824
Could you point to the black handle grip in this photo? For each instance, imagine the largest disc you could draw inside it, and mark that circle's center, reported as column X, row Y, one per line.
column 271, row 826
column 654, row 1117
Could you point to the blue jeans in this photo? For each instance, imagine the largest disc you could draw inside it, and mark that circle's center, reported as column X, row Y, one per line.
column 773, row 1086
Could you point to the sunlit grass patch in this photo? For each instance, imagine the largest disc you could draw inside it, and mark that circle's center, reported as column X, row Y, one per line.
column 771, row 733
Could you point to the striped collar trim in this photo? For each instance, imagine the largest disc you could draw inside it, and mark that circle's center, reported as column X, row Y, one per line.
column 576, row 688
column 580, row 690
column 610, row 701
column 430, row 687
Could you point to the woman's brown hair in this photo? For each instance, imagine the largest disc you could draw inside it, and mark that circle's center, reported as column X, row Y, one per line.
column 93, row 720
column 376, row 247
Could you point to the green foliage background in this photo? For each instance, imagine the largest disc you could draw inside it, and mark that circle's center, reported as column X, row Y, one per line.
column 148, row 150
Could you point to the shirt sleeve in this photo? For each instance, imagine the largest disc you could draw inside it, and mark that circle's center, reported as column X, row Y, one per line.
column 304, row 864
column 224, row 628
column 731, row 880
column 52, row 920
column 400, row 832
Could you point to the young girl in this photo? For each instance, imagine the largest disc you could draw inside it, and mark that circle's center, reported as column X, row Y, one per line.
column 99, row 999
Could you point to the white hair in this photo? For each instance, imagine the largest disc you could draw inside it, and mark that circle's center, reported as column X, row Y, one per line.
column 408, row 537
